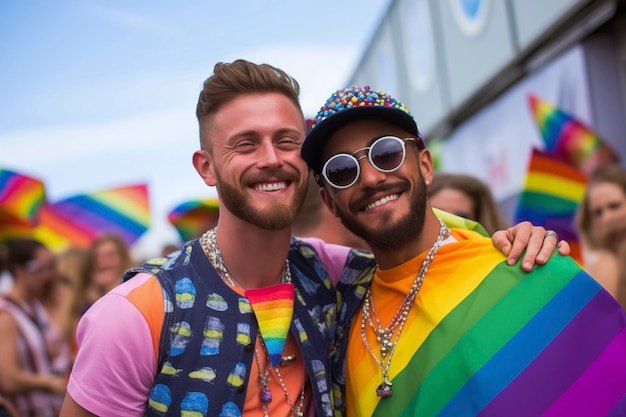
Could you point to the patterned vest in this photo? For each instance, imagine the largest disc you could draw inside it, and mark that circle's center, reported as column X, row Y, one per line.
column 355, row 279
column 207, row 341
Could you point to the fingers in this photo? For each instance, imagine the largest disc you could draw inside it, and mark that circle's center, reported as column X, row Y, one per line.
column 500, row 240
column 564, row 248
column 533, row 243
column 550, row 241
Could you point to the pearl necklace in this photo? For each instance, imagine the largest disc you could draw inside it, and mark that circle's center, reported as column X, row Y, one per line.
column 208, row 242
column 384, row 335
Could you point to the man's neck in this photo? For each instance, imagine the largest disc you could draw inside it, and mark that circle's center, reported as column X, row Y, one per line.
column 254, row 256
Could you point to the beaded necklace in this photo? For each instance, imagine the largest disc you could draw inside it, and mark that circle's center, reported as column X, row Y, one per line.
column 384, row 335
column 208, row 242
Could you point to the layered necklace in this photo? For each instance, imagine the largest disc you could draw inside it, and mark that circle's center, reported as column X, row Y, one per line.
column 208, row 242
column 387, row 336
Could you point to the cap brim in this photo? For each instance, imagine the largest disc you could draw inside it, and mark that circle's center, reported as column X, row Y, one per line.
column 316, row 140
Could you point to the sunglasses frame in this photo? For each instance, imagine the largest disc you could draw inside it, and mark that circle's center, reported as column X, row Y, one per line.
column 356, row 160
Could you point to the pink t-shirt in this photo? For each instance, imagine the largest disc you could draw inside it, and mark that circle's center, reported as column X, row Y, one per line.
column 116, row 380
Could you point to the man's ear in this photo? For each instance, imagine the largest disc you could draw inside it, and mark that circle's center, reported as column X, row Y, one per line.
column 330, row 203
column 426, row 165
column 204, row 165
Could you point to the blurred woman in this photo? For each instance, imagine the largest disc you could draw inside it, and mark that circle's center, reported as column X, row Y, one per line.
column 468, row 197
column 27, row 345
column 601, row 223
column 107, row 259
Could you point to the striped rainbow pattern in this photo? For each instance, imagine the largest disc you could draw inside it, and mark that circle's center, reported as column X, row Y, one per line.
column 20, row 195
column 78, row 220
column 564, row 135
column 552, row 191
column 192, row 218
column 273, row 308
column 551, row 343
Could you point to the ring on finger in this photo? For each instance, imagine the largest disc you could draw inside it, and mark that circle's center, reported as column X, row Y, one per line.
column 551, row 233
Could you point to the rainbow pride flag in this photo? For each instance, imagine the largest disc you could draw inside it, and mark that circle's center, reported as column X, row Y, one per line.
column 273, row 308
column 489, row 340
column 20, row 195
column 192, row 218
column 78, row 220
column 550, row 196
column 569, row 139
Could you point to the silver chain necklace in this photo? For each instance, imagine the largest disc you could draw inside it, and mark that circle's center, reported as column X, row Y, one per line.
column 384, row 335
column 208, row 242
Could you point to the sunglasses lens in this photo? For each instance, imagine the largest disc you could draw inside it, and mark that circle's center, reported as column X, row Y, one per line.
column 387, row 154
column 341, row 170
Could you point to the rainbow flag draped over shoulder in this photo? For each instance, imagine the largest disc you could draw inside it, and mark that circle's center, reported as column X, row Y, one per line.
column 552, row 191
column 192, row 218
column 78, row 220
column 489, row 340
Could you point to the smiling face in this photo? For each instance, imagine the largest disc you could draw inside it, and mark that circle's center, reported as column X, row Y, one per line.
column 388, row 209
column 607, row 207
column 254, row 159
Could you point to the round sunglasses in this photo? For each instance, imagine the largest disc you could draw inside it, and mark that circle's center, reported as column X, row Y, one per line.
column 386, row 154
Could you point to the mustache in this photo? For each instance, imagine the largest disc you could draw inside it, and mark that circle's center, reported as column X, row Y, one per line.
column 363, row 200
column 270, row 175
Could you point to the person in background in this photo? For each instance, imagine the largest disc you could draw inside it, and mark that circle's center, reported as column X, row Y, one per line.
column 107, row 258
column 466, row 196
column 6, row 280
column 71, row 264
column 190, row 333
column 601, row 224
column 26, row 371
column 437, row 324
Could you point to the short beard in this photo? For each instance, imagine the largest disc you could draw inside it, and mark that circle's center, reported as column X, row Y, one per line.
column 392, row 236
column 276, row 216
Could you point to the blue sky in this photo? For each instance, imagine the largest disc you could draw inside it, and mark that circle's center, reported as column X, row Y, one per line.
column 101, row 93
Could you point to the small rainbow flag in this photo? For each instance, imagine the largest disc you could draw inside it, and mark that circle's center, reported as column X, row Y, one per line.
column 273, row 308
column 21, row 196
column 569, row 139
column 78, row 220
column 192, row 218
column 552, row 191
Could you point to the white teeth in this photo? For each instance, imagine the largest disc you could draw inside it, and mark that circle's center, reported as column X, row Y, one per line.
column 275, row 186
column 382, row 201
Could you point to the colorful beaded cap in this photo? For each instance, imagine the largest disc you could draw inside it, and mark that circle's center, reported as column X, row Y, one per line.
column 353, row 97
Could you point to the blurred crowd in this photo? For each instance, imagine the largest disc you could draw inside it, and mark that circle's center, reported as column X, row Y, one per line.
column 42, row 297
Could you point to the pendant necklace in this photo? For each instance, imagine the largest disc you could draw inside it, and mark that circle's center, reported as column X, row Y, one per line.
column 385, row 335
column 265, row 395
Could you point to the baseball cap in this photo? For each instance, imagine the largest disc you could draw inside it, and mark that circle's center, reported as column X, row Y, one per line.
column 350, row 104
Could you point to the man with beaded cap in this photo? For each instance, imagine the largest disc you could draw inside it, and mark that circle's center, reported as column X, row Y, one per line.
column 440, row 327
column 189, row 333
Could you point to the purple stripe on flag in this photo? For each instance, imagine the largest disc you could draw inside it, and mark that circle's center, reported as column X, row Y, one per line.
column 619, row 410
column 562, row 361
column 601, row 386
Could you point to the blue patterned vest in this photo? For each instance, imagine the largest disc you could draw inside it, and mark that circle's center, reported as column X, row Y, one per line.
column 355, row 278
column 207, row 341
